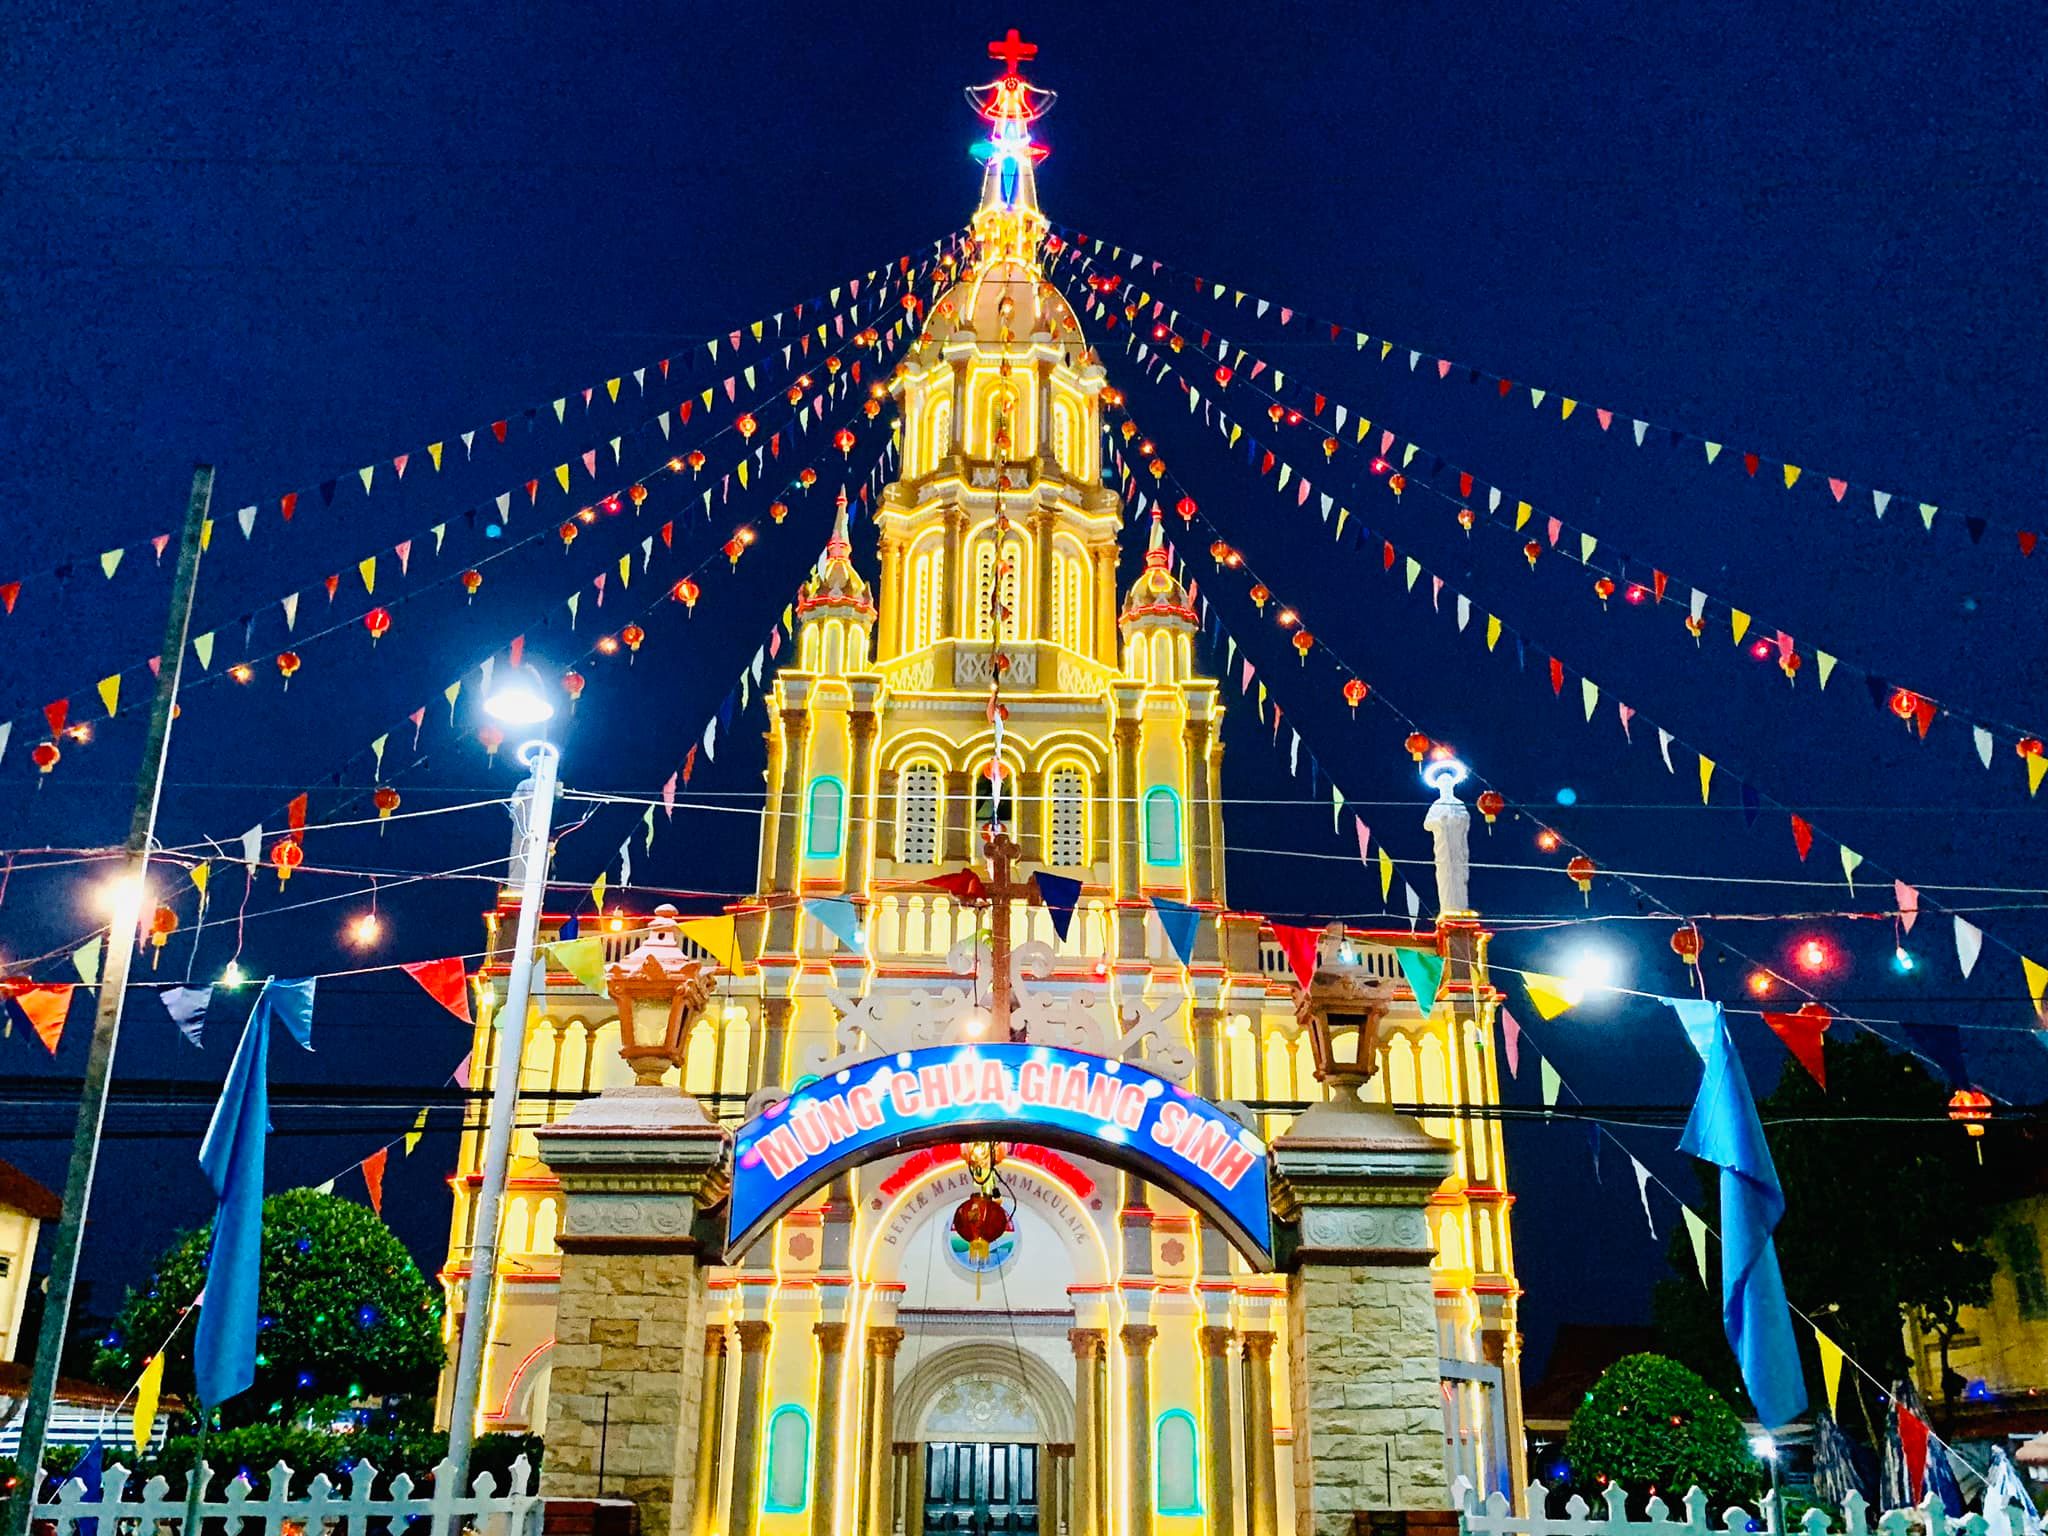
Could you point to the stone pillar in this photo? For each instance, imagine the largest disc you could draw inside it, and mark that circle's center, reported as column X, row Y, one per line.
column 825, row 1463
column 1105, row 606
column 1042, row 568
column 1052, row 1488
column 1207, row 1025
column 879, row 1471
column 1137, row 1341
column 1261, row 1476
column 788, row 810
column 771, row 819
column 1195, row 769
column 745, row 1510
column 775, row 1011
column 1356, row 1180
column 861, row 824
column 955, row 619
column 1216, row 1408
column 635, row 1164
column 1087, row 1517
column 1130, row 815
column 711, row 1422
column 913, row 1490
column 957, row 834
column 889, row 630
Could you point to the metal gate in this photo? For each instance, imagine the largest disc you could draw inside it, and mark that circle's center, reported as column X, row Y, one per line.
column 980, row 1487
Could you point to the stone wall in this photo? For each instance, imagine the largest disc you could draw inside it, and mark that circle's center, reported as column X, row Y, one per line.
column 630, row 1323
column 1363, row 1348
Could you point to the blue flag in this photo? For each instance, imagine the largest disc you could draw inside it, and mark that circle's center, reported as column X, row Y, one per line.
column 838, row 916
column 1180, row 922
column 1724, row 1130
column 1060, row 895
column 224, row 1351
column 187, row 1007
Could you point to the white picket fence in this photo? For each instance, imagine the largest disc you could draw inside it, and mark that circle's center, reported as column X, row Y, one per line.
column 322, row 1510
column 1494, row 1516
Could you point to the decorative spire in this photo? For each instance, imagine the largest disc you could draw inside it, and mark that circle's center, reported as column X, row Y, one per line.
column 1155, row 547
column 835, row 584
column 1157, row 595
column 1010, row 104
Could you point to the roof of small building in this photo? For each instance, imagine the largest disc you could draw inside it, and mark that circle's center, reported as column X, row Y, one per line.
column 1581, row 1352
column 19, row 1192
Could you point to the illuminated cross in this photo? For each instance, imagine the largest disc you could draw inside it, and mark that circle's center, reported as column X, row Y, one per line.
column 1002, row 890
column 1012, row 50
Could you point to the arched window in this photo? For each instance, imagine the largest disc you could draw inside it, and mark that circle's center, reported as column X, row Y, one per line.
column 1063, row 436
column 1162, row 826
column 982, row 622
column 789, row 1460
column 995, row 795
column 1069, row 602
column 827, row 819
column 917, row 814
column 927, row 595
column 1178, row 1464
column 941, row 443
column 1066, row 828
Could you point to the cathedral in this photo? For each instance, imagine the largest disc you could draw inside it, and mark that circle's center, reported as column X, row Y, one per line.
column 1000, row 755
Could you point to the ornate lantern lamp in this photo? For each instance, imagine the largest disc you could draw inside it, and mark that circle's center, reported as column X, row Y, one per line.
column 659, row 992
column 1341, row 1009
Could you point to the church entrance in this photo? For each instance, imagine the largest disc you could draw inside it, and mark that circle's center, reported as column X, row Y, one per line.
column 980, row 1487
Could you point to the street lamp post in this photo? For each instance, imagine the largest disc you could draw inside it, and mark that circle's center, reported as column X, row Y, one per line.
column 1765, row 1448
column 518, row 704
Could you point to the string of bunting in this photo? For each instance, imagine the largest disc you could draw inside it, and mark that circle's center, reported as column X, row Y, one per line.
column 1917, row 709
column 379, row 619
column 1072, row 246
column 498, row 431
column 1938, row 1043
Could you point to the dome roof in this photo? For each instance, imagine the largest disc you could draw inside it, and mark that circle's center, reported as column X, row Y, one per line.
column 1157, row 595
column 835, row 584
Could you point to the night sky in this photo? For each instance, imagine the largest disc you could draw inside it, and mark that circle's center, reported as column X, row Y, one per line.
column 292, row 242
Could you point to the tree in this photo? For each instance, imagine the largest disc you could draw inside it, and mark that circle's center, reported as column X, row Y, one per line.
column 344, row 1314
column 1887, row 1210
column 1655, row 1428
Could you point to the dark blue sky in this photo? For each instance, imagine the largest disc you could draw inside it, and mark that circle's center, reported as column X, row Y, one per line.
column 294, row 242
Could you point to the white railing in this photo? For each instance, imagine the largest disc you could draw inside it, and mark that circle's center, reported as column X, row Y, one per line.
column 319, row 1510
column 1494, row 1516
column 908, row 926
column 1376, row 960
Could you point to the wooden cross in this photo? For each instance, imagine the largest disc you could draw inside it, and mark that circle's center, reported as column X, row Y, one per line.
column 1002, row 890
column 1012, row 50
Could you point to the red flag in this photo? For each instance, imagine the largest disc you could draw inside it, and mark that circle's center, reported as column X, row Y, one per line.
column 46, row 1009
column 1913, row 1441
column 57, row 714
column 689, row 764
column 1556, row 675
column 295, row 818
column 373, row 1177
column 963, row 883
column 518, row 651
column 446, row 983
column 9, row 594
column 1801, row 1033
column 1301, row 945
column 1802, row 836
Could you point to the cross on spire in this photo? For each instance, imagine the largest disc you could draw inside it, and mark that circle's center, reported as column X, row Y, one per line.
column 1012, row 50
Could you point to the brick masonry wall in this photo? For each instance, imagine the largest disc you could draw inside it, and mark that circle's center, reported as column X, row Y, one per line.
column 1362, row 1345
column 631, row 1324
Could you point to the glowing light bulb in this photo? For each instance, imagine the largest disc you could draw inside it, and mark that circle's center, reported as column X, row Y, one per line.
column 975, row 1022
column 365, row 929
column 232, row 977
column 1903, row 961
column 1761, row 983
column 1813, row 956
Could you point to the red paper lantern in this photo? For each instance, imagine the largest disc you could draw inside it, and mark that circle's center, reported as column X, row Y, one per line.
column 1224, row 374
column 1905, row 703
column 1530, row 552
column 471, row 580
column 807, row 477
column 1581, row 869
column 1685, row 943
column 1259, row 595
column 567, row 534
column 572, row 685
column 1329, row 447
column 1695, row 626
column 695, row 459
column 1275, row 412
column 285, row 856
column 1604, row 589
column 639, row 495
column 1397, row 483
column 2029, row 746
column 686, row 592
column 1491, row 803
column 386, row 800
column 492, row 739
column 287, row 664
column 747, row 425
column 1355, row 691
column 378, row 622
column 1417, row 744
column 979, row 1222
column 162, row 924
column 1970, row 1109
column 633, row 635
column 1158, row 468
column 1186, row 508
column 778, row 510
column 46, row 756
column 844, row 440
column 1466, row 518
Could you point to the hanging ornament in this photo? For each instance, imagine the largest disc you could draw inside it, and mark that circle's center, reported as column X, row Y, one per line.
column 1466, row 519
column 795, row 394
column 1275, row 412
column 695, row 459
column 1218, row 550
column 378, row 622
column 2029, row 746
column 747, row 425
column 686, row 592
column 633, row 635
column 1530, row 552
column 471, row 580
column 1685, row 943
column 1789, row 663
column 807, row 477
column 844, row 440
column 733, row 550
column 1258, row 595
column 1491, row 803
column 1582, row 870
column 1158, row 468
column 46, row 756
column 1224, row 375
column 1304, row 642
column 1604, row 589
column 1129, row 429
column 1695, row 626
column 287, row 664
column 567, row 534
column 833, row 365
column 1186, row 508
column 778, row 510
column 979, row 1222
column 639, row 495
column 1397, row 483
column 386, row 800
column 1417, row 744
column 1329, row 447
column 163, row 922
column 572, row 685
column 1967, row 1107
column 492, row 739
column 285, row 856
column 1355, row 691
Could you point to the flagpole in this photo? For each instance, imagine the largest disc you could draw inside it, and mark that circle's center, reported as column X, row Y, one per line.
column 113, row 991
column 542, row 758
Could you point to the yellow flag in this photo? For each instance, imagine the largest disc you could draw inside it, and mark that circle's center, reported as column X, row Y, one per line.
column 625, row 570
column 562, row 476
column 1696, row 1229
column 611, row 387
column 2037, row 984
column 583, row 959
column 1522, row 511
column 597, row 891
column 1552, row 994
column 1738, row 621
column 1830, row 1365
column 718, row 936
column 1568, row 405
column 434, row 453
column 1492, row 631
column 1791, row 476
column 412, row 1137
column 148, row 1391
column 743, row 474
column 110, row 692
column 367, row 569
column 201, row 873
column 1706, row 776
column 2037, row 769
column 1386, row 872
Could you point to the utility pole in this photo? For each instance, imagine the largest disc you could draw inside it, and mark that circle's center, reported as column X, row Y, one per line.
column 113, row 991
column 537, row 801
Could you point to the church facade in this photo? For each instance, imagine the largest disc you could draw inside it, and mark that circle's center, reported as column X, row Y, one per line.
column 1108, row 1363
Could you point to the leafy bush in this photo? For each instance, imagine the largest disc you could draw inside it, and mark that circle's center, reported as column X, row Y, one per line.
column 1654, row 1428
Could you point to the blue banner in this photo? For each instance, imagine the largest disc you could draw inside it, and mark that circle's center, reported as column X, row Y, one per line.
column 1114, row 1111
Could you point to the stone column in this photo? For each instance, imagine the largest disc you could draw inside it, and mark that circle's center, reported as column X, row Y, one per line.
column 888, row 631
column 825, row 1463
column 1130, row 815
column 1207, row 1025
column 1042, row 568
column 745, row 1510
column 1105, row 605
column 1261, row 1477
column 635, row 1164
column 775, row 1013
column 789, row 808
column 1137, row 1341
column 1216, row 1408
column 771, row 819
column 955, row 619
column 878, row 1473
column 957, row 833
column 860, row 826
column 1051, row 1470
column 711, row 1423
column 1195, row 769
column 1087, row 1517
column 913, row 1490
column 1356, row 1180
